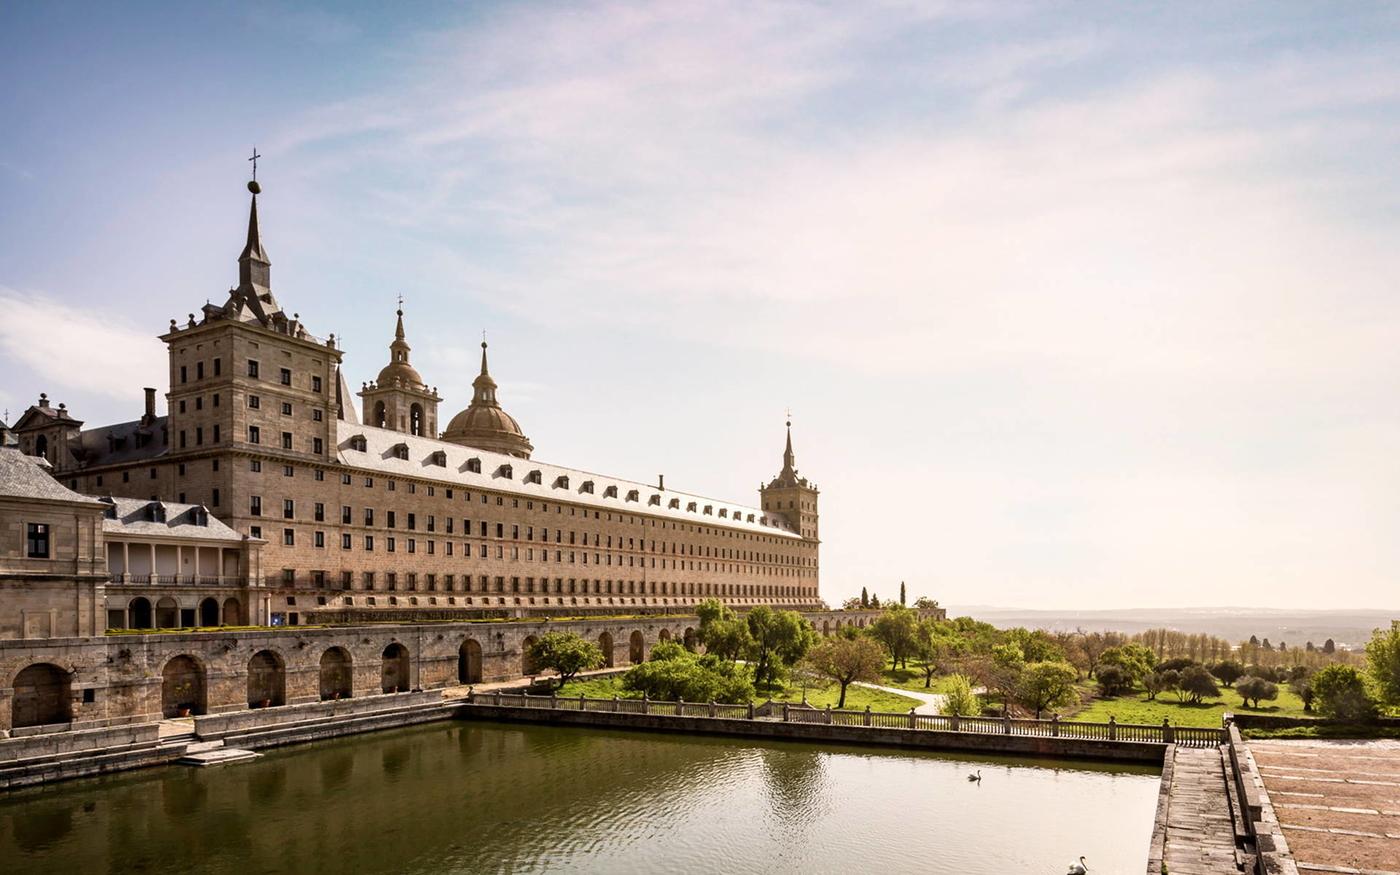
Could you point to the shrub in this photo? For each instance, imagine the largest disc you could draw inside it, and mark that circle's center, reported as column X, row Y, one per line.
column 1046, row 684
column 1195, row 684
column 567, row 653
column 690, row 677
column 960, row 699
column 1159, row 682
column 1252, row 688
column 664, row 650
column 1341, row 693
column 1383, row 661
column 1177, row 664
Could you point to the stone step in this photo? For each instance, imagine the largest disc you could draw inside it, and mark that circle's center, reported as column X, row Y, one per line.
column 220, row 756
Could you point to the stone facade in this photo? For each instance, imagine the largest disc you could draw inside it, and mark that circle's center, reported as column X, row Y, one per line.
column 261, row 430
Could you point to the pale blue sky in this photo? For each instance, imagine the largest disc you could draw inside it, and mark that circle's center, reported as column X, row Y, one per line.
column 1074, row 304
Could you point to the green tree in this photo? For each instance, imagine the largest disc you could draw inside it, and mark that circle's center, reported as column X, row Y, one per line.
column 847, row 660
column 680, row 674
column 1228, row 672
column 901, row 593
column 664, row 650
column 567, row 653
column 934, row 644
column 722, row 632
column 1302, row 688
column 1254, row 689
column 777, row 639
column 1341, row 693
column 1383, row 662
column 1195, row 683
column 864, row 598
column 1160, row 681
column 924, row 602
column 960, row 700
column 1135, row 660
column 1329, row 646
column 1044, row 685
column 1113, row 680
column 895, row 629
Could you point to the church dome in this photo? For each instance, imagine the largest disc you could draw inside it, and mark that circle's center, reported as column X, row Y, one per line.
column 400, row 371
column 484, row 424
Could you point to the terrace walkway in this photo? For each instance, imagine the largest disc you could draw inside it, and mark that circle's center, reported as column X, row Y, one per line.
column 1200, row 837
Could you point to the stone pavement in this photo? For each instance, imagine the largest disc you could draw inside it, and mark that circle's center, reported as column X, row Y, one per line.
column 1200, row 837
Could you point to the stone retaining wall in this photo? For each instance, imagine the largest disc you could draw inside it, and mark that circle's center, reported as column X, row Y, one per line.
column 219, row 725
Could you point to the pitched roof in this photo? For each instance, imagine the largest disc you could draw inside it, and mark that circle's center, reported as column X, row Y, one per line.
column 554, row 482
column 132, row 517
column 24, row 476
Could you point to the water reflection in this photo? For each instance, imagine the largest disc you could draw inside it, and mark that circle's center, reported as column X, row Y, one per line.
column 469, row 797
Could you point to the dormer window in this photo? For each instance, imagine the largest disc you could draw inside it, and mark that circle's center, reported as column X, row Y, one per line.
column 400, row 451
column 750, row 517
column 534, row 477
column 655, row 499
column 505, row 471
column 438, row 458
column 724, row 512
column 155, row 512
column 610, row 492
column 561, row 482
column 691, row 507
column 675, row 504
column 199, row 516
column 358, row 443
column 474, row 466
column 587, row 486
column 709, row 510
column 633, row 495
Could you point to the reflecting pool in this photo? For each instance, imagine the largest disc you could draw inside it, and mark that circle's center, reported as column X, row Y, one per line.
column 487, row 797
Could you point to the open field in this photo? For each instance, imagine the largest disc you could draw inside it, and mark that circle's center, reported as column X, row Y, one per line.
column 818, row 696
column 1134, row 708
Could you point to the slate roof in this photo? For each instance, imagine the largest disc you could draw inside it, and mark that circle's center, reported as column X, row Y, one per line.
column 379, row 456
column 24, row 476
column 114, row 444
column 133, row 518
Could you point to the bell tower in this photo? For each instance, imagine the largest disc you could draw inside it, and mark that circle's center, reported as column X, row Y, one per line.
column 791, row 496
column 399, row 400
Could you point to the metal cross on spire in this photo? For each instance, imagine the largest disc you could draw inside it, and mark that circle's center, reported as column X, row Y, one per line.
column 400, row 300
column 789, row 415
column 254, row 159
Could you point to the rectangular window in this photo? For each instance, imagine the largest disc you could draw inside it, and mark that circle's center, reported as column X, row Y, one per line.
column 218, row 369
column 316, row 415
column 319, row 512
column 183, row 373
column 255, row 531
column 320, row 539
column 368, row 579
column 199, row 370
column 199, row 436
column 255, row 466
column 318, row 446
column 215, row 499
column 255, row 505
column 390, row 518
column 286, row 408
column 182, row 438
column 252, row 368
column 254, row 402
column 286, row 440
column 369, row 543
column 286, row 376
column 369, row 516
column 412, row 522
column 254, row 434
column 345, row 514
column 36, row 540
column 288, row 538
column 216, row 429
column 345, row 542
column 315, row 384
column 389, row 544
column 289, row 509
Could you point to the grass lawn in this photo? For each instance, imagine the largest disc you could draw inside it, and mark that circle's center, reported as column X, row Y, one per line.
column 913, row 679
column 1134, row 708
column 817, row 696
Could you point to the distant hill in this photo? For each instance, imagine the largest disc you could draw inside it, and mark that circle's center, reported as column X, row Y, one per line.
column 1350, row 628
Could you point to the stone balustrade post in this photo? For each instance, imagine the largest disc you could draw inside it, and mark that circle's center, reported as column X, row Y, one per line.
column 912, row 719
column 646, row 704
column 1055, row 725
column 582, row 702
column 617, row 704
column 1006, row 722
column 954, row 721
column 1112, row 728
column 785, row 712
column 680, row 706
column 867, row 715
column 553, row 700
column 1168, row 731
column 496, row 698
column 713, row 711
column 828, row 714
column 750, row 709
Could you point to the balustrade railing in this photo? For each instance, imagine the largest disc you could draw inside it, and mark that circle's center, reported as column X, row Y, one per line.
column 1053, row 727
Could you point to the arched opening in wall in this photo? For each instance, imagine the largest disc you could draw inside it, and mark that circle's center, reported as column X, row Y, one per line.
column 337, row 674
column 43, row 695
column 138, row 613
column 636, row 647
column 41, row 447
column 209, row 612
column 415, row 419
column 267, row 680
column 167, row 613
column 233, row 613
column 663, row 635
column 469, row 662
column 182, row 687
column 396, row 668
column 605, row 644
column 826, row 627
column 690, row 639
column 378, row 419
column 528, row 667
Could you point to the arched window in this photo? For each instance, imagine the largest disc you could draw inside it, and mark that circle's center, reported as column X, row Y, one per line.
column 378, row 419
column 415, row 419
column 41, row 447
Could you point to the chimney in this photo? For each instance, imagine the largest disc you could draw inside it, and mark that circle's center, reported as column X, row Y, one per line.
column 661, row 482
column 150, row 416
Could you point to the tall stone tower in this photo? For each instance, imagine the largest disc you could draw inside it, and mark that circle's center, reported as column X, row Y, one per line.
column 246, row 376
column 791, row 496
column 399, row 400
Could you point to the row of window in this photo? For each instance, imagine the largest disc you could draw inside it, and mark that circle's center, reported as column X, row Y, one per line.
column 369, row 581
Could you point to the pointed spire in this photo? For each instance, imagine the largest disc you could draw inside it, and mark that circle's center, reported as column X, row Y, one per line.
column 483, row 387
column 254, row 269
column 789, row 458
column 484, row 372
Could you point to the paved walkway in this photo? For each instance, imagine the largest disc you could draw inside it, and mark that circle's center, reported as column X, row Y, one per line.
column 930, row 703
column 1200, row 837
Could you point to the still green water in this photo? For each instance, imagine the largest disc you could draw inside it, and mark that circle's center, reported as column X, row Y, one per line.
column 484, row 797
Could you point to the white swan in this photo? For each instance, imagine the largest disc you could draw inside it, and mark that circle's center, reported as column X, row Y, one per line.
column 976, row 777
column 1079, row 868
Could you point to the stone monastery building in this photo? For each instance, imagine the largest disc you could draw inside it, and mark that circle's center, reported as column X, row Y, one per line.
column 280, row 505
